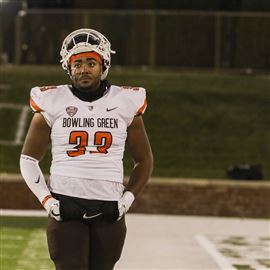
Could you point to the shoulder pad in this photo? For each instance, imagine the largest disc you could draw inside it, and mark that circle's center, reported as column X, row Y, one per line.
column 38, row 96
column 137, row 96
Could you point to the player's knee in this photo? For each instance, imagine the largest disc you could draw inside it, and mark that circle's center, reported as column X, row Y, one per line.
column 70, row 266
column 103, row 267
column 63, row 262
column 105, row 264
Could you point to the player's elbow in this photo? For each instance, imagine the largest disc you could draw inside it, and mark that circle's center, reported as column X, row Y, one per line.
column 150, row 161
column 149, row 165
column 147, row 162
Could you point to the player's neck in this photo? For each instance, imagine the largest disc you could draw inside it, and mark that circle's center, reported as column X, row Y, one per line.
column 91, row 95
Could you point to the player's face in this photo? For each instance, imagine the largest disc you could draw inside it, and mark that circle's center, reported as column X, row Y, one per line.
column 86, row 73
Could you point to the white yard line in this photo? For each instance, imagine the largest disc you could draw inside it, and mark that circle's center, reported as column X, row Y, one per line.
column 9, row 246
column 8, row 257
column 8, row 143
column 4, row 87
column 11, row 106
column 214, row 253
column 23, row 213
column 12, row 237
column 21, row 125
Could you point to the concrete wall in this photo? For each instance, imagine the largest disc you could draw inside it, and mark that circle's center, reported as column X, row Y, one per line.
column 170, row 196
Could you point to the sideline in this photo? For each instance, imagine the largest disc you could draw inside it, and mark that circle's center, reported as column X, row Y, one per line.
column 214, row 253
column 169, row 241
column 23, row 213
column 200, row 182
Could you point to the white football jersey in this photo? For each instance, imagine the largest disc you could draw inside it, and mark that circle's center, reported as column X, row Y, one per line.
column 88, row 138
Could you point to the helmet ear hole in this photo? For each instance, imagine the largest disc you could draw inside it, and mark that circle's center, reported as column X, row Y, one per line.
column 69, row 69
column 103, row 66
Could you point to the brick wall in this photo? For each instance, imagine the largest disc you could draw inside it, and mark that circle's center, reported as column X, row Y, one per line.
column 203, row 197
column 170, row 196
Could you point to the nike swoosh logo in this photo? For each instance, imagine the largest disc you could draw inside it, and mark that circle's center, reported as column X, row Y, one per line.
column 37, row 180
column 89, row 217
column 56, row 215
column 111, row 109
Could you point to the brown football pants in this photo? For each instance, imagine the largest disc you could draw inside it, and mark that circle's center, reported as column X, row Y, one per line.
column 75, row 245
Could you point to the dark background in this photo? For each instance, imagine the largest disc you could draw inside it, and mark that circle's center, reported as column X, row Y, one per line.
column 244, row 5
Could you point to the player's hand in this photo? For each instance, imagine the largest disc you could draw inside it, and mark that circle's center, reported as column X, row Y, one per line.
column 52, row 207
column 124, row 203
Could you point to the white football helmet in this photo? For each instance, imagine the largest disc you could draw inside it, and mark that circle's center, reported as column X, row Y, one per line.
column 86, row 40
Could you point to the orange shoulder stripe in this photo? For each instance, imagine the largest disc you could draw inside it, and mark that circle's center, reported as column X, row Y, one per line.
column 142, row 109
column 35, row 106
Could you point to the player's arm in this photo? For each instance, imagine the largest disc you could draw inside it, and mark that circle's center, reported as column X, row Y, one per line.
column 34, row 148
column 140, row 150
column 37, row 138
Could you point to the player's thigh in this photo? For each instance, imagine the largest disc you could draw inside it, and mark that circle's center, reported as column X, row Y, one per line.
column 68, row 244
column 106, row 244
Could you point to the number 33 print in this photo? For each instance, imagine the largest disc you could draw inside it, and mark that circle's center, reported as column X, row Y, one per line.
column 102, row 140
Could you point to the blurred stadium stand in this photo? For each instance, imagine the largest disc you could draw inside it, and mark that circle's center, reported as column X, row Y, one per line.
column 215, row 34
column 244, row 5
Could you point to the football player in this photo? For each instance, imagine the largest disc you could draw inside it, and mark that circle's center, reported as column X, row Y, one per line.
column 87, row 125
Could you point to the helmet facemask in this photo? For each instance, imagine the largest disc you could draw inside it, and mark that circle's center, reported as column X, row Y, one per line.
column 86, row 40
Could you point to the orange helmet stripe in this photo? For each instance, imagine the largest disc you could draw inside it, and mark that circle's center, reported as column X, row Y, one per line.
column 94, row 55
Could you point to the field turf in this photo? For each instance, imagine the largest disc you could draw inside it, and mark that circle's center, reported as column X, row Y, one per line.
column 23, row 244
column 242, row 243
column 199, row 122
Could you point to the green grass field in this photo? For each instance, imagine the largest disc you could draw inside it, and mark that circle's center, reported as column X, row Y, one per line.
column 23, row 244
column 199, row 123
